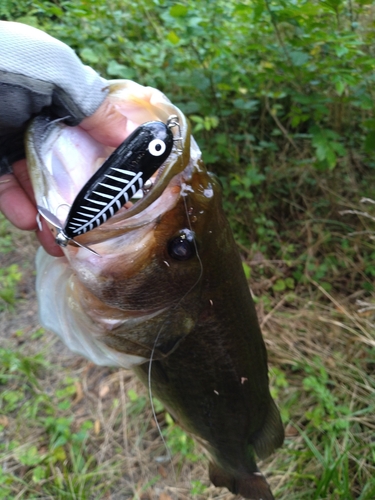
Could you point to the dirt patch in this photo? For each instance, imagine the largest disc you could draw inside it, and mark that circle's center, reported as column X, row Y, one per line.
column 125, row 441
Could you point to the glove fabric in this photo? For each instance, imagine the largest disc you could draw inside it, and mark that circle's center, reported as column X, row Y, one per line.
column 40, row 74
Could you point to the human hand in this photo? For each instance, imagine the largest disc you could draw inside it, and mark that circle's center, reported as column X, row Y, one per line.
column 40, row 74
column 17, row 201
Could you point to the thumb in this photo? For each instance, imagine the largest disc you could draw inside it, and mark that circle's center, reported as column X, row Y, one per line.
column 107, row 125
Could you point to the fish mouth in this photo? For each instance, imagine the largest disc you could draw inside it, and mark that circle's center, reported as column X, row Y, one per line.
column 62, row 159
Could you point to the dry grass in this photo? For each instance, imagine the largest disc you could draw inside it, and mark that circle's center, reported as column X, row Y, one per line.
column 326, row 349
column 321, row 354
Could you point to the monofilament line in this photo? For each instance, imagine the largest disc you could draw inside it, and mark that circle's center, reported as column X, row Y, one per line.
column 169, row 455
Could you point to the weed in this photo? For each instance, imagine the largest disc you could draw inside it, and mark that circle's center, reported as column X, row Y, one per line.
column 179, row 442
column 6, row 243
column 9, row 278
column 197, row 488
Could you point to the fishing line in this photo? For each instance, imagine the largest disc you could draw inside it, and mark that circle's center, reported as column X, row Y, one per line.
column 169, row 455
column 57, row 120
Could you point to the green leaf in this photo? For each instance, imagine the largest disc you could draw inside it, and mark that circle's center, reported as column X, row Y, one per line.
column 88, row 55
column 58, row 454
column 39, row 473
column 248, row 104
column 340, row 87
column 173, row 38
column 132, row 395
column 326, row 286
column 279, row 286
column 60, row 441
column 246, row 270
column 242, row 8
column 30, row 456
column 298, row 57
column 64, row 405
column 178, row 10
column 369, row 144
column 289, row 282
column 119, row 70
column 341, row 50
column 326, row 146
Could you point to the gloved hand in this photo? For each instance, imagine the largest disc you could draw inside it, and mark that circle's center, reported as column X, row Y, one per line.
column 38, row 72
column 41, row 74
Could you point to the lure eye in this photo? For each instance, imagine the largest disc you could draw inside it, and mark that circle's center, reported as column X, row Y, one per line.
column 157, row 147
column 182, row 247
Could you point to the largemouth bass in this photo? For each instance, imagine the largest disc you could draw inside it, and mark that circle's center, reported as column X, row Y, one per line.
column 165, row 293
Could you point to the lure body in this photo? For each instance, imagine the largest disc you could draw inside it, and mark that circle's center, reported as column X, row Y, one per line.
column 117, row 180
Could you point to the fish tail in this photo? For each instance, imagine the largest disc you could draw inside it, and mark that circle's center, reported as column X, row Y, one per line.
column 271, row 435
column 251, row 485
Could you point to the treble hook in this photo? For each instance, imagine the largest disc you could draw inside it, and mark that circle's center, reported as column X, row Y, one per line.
column 173, row 121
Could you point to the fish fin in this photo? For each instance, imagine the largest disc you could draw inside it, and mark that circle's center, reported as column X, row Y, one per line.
column 271, row 435
column 251, row 485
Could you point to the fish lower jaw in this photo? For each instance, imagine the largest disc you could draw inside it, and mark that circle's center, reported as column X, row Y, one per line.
column 59, row 315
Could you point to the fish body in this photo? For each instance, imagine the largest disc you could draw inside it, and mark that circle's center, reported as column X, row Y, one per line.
column 166, row 295
column 213, row 379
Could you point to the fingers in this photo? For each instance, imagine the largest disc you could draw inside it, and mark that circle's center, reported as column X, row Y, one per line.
column 107, row 125
column 47, row 240
column 18, row 205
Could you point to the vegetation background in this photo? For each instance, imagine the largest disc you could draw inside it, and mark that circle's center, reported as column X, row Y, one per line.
column 281, row 97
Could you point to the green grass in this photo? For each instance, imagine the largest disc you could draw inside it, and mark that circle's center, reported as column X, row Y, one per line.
column 72, row 430
column 42, row 448
column 324, row 385
column 294, row 148
column 326, row 389
column 9, row 277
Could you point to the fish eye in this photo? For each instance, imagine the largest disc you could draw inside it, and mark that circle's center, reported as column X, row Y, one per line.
column 181, row 247
column 157, row 147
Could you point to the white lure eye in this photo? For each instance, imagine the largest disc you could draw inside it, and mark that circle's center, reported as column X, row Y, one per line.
column 157, row 147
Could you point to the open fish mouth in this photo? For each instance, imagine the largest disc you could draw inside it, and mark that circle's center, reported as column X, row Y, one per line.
column 105, row 290
column 63, row 159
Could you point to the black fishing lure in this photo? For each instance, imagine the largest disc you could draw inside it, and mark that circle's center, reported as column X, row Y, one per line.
column 117, row 180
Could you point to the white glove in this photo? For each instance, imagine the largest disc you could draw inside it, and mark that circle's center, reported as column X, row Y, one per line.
column 40, row 74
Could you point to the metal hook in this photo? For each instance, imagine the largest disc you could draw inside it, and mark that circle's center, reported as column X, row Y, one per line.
column 173, row 121
column 39, row 222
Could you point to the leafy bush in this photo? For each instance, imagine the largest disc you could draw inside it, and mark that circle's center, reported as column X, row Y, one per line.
column 280, row 94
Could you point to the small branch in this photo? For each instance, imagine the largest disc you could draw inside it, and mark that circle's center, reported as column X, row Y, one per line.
column 278, row 34
column 341, row 308
column 365, row 306
column 269, row 315
column 351, row 15
column 208, row 74
column 357, row 212
column 281, row 127
column 367, row 200
column 362, row 233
